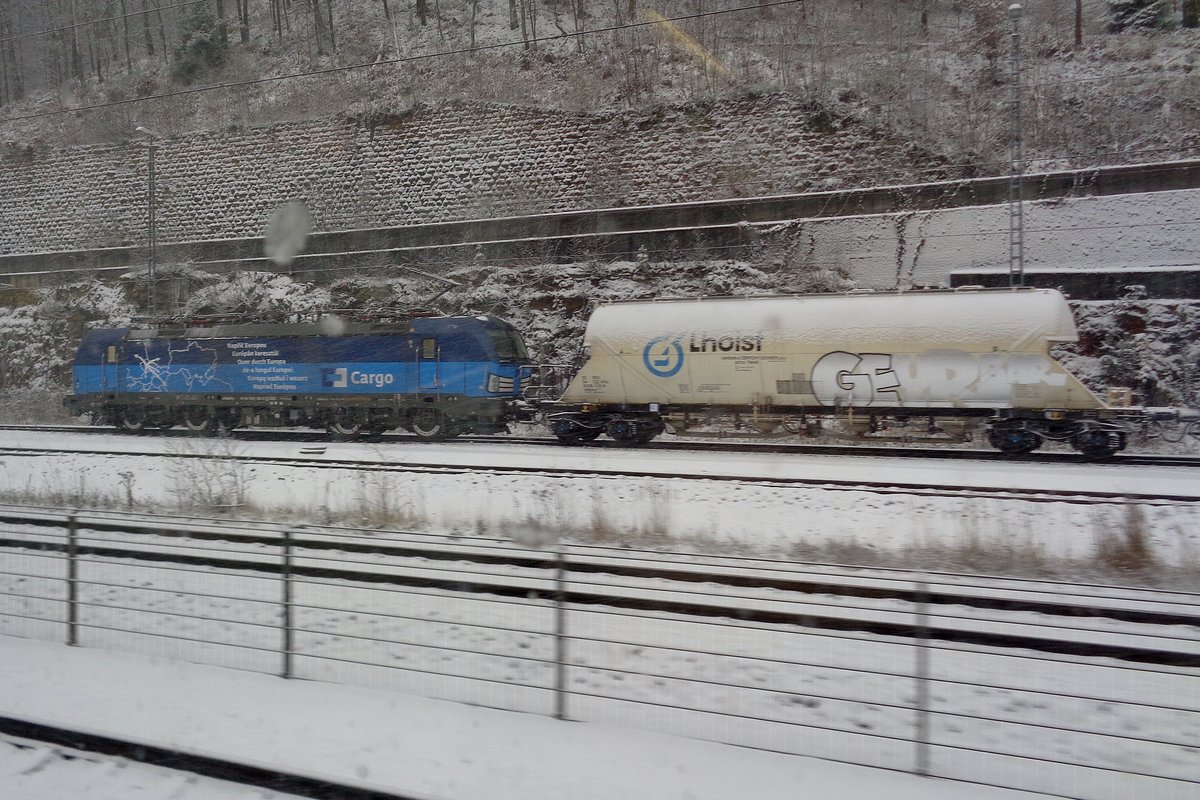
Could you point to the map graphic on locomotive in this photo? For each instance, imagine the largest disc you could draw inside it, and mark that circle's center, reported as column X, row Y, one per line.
column 764, row 364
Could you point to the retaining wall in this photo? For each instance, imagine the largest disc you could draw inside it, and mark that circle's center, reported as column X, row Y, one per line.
column 432, row 164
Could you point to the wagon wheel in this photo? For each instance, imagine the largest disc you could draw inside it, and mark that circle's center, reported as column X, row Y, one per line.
column 1014, row 441
column 794, row 424
column 1191, row 437
column 579, row 435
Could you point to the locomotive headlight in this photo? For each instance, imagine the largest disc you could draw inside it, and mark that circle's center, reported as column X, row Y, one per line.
column 498, row 384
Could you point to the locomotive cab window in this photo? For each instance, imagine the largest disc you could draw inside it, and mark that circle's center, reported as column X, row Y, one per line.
column 110, row 355
column 429, row 348
column 508, row 345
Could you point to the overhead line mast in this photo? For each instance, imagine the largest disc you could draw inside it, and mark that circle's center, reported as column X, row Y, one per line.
column 1016, row 216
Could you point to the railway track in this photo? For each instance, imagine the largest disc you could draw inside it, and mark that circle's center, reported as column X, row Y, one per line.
column 20, row 733
column 669, row 444
column 698, row 446
column 317, row 457
column 1073, row 621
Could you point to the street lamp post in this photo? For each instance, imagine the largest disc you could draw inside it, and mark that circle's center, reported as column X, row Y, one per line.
column 151, row 222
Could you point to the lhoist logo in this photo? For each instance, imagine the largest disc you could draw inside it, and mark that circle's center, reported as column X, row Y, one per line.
column 663, row 356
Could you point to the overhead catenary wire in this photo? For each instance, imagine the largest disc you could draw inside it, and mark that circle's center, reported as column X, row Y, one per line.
column 90, row 22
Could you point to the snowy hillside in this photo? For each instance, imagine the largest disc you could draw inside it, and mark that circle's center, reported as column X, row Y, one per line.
column 936, row 72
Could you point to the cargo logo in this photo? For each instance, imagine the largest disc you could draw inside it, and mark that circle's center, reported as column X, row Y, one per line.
column 663, row 356
column 340, row 378
column 332, row 378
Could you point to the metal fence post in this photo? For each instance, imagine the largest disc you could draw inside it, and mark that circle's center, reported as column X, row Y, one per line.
column 921, row 674
column 560, row 637
column 286, row 573
column 72, row 580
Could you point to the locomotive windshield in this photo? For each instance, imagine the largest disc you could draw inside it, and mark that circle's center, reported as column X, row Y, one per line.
column 508, row 344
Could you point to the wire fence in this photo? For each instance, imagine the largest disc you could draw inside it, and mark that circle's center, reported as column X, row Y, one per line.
column 589, row 634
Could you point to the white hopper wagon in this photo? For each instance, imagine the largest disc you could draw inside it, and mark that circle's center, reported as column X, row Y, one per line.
column 770, row 361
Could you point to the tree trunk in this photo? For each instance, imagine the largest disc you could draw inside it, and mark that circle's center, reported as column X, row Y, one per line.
column 243, row 12
column 76, row 54
column 125, row 37
column 1079, row 23
column 162, row 31
column 146, row 27
column 318, row 26
column 222, row 25
column 332, row 32
column 1191, row 14
column 422, row 11
column 531, row 10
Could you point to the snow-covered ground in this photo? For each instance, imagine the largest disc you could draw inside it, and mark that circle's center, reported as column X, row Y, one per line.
column 814, row 507
column 702, row 501
column 381, row 740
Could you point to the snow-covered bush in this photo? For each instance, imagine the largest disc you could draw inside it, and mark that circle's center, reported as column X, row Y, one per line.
column 1150, row 346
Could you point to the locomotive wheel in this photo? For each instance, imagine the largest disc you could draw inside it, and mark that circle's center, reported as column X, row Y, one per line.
column 197, row 419
column 431, row 424
column 132, row 420
column 344, row 426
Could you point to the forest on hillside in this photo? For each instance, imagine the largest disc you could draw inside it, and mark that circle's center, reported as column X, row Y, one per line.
column 1103, row 81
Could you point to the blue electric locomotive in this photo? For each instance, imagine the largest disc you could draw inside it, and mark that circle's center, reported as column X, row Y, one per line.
column 434, row 376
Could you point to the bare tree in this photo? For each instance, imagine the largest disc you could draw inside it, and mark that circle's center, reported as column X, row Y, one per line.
column 11, row 77
column 243, row 14
column 222, row 25
column 323, row 26
column 146, row 27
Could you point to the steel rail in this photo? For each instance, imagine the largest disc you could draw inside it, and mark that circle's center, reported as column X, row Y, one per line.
column 1077, row 497
column 907, row 596
column 208, row 766
column 578, row 598
column 527, row 560
column 866, row 449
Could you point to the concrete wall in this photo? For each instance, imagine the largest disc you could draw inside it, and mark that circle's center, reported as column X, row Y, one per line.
column 458, row 161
